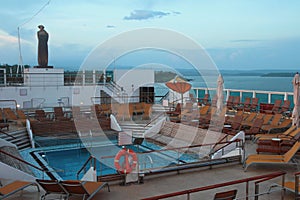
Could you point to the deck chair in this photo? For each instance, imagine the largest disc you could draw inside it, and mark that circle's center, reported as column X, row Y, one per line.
column 285, row 108
column 272, row 159
column 59, row 114
column 236, row 102
column 274, row 122
column 14, row 187
column 249, row 119
column 276, row 107
column 21, row 114
column 255, row 128
column 235, row 126
column 9, row 114
column 253, row 105
column 52, row 187
column 276, row 146
column 268, row 136
column 40, row 115
column 204, row 100
column 227, row 195
column 229, row 102
column 246, row 104
column 85, row 188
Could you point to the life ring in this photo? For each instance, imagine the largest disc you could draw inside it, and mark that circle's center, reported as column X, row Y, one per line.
column 129, row 163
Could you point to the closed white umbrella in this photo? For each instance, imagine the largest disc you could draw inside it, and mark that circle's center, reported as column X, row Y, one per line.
column 220, row 96
column 295, row 114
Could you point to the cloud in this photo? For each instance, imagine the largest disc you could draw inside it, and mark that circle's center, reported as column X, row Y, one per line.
column 145, row 14
column 110, row 26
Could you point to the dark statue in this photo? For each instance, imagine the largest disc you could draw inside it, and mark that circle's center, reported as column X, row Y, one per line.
column 43, row 37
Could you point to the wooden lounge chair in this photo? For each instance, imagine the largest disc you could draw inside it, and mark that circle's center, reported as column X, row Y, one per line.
column 276, row 145
column 253, row 106
column 40, row 115
column 236, row 102
column 277, row 135
column 14, row 187
column 9, row 114
column 285, row 108
column 249, row 119
column 246, row 104
column 275, row 122
column 204, row 100
column 272, row 159
column 229, row 102
column 235, row 126
column 85, row 188
column 59, row 114
column 227, row 195
column 255, row 128
column 276, row 107
column 51, row 187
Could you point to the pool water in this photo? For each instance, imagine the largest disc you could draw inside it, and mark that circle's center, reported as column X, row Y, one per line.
column 67, row 162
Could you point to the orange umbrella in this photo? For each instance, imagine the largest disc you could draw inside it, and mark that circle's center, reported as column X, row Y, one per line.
column 179, row 85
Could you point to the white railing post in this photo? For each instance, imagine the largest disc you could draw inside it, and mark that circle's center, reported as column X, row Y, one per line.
column 94, row 77
column 269, row 97
column 83, row 77
column 285, row 96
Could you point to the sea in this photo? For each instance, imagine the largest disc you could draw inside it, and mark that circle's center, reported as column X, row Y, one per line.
column 280, row 84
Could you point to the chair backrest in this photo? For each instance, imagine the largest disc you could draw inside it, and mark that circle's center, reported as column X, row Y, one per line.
column 206, row 99
column 40, row 114
column 227, row 195
column 204, row 110
column 250, row 117
column 51, row 186
column 9, row 114
column 277, row 105
column 21, row 114
column 276, row 119
column 289, row 155
column 229, row 102
column 267, row 118
column 236, row 100
column 257, row 124
column 58, row 111
column 247, row 102
column 236, row 124
column 74, row 187
column 286, row 106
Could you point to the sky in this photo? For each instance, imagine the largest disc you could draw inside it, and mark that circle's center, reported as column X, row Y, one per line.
column 237, row 34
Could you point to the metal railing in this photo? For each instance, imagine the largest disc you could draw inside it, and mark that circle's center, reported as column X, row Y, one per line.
column 257, row 179
column 24, row 162
column 91, row 161
column 269, row 96
column 174, row 153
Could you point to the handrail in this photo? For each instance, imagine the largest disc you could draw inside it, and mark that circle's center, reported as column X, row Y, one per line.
column 209, row 187
column 85, row 164
column 21, row 160
column 178, row 148
column 152, row 120
column 8, row 134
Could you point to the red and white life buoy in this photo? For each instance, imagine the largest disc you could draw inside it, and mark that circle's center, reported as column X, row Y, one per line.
column 129, row 163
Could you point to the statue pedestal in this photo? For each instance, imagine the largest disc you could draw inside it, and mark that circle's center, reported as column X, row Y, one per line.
column 43, row 67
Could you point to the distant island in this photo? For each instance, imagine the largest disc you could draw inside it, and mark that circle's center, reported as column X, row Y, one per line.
column 279, row 74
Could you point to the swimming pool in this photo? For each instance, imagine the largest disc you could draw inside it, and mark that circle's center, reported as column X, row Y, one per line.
column 65, row 163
